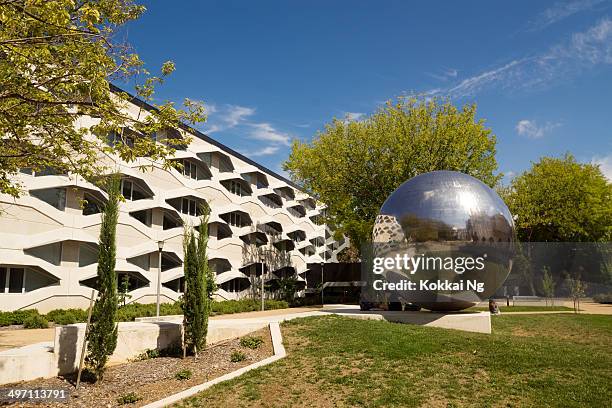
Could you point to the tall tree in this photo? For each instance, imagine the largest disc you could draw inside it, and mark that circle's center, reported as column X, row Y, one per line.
column 57, row 58
column 102, row 335
column 353, row 166
column 559, row 199
column 197, row 298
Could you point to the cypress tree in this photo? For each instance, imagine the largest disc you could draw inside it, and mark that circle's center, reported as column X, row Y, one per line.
column 102, row 335
column 199, row 285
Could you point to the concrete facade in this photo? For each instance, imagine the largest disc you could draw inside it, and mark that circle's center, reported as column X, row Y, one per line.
column 48, row 236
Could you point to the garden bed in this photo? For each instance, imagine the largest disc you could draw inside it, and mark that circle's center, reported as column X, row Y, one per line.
column 152, row 379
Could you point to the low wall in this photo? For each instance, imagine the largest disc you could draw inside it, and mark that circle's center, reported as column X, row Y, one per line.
column 62, row 356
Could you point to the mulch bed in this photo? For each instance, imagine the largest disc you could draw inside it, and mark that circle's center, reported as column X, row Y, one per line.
column 151, row 379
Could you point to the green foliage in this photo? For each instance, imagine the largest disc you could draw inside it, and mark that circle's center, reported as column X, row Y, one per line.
column 353, row 166
column 183, row 375
column 35, row 321
column 16, row 317
column 57, row 60
column 196, row 299
column 124, row 288
column 147, row 355
column 559, row 199
column 102, row 335
column 67, row 316
column 548, row 285
column 252, row 342
column 245, row 305
column 129, row 398
column 237, row 356
column 577, row 290
column 130, row 312
column 287, row 288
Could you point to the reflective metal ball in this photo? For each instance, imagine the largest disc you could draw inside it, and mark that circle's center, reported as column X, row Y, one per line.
column 445, row 214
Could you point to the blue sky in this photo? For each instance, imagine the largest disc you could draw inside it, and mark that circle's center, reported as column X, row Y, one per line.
column 270, row 71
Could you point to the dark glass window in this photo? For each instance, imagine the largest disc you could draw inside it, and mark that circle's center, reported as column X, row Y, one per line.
column 16, row 280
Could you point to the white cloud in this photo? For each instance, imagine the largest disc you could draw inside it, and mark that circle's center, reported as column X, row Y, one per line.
column 355, row 116
column 265, row 131
column 582, row 51
column 266, row 151
column 532, row 130
column 605, row 164
column 560, row 11
column 227, row 117
column 445, row 75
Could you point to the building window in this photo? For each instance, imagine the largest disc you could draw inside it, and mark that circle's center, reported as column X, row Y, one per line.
column 190, row 169
column 91, row 205
column 131, row 191
column 189, row 206
column 12, row 280
column 236, row 187
column 235, row 219
column 52, row 196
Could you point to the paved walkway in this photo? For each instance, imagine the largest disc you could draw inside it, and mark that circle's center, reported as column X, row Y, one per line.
column 18, row 338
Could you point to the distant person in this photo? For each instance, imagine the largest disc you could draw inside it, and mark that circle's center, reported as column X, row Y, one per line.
column 493, row 307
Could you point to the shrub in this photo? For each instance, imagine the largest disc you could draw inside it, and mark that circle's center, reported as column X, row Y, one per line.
column 128, row 398
column 251, row 342
column 16, row 317
column 67, row 316
column 183, row 375
column 35, row 322
column 147, row 354
column 237, row 356
column 603, row 298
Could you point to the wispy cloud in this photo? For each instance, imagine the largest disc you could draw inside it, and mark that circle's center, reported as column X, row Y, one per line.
column 560, row 11
column 584, row 50
column 352, row 116
column 532, row 130
column 605, row 164
column 266, row 132
column 266, row 151
column 227, row 117
column 444, row 75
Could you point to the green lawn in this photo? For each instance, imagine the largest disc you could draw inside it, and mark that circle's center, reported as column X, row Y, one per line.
column 562, row 360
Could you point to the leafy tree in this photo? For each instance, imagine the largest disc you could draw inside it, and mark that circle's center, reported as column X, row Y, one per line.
column 577, row 290
column 353, row 166
column 287, row 288
column 196, row 299
column 548, row 285
column 124, row 290
column 102, row 335
column 57, row 58
column 559, row 199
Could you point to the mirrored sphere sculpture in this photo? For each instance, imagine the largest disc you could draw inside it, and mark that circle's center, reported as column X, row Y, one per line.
column 441, row 215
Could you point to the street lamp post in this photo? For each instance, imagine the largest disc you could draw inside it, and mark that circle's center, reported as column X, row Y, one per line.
column 263, row 268
column 322, row 283
column 160, row 246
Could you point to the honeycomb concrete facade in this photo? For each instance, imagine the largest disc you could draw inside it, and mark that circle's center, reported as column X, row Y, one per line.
column 48, row 236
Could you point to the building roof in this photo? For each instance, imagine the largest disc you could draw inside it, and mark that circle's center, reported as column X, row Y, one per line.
column 145, row 105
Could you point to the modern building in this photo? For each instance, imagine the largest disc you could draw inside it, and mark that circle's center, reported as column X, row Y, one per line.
column 49, row 235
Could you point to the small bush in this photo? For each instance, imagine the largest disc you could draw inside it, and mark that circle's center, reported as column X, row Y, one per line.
column 16, row 317
column 35, row 322
column 67, row 316
column 251, row 342
column 603, row 298
column 237, row 356
column 147, row 354
column 183, row 375
column 128, row 398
